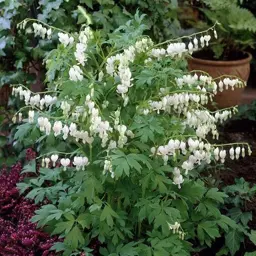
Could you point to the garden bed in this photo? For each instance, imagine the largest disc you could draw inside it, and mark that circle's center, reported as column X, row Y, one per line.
column 239, row 131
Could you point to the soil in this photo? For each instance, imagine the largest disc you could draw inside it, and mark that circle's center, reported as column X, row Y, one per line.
column 239, row 131
column 207, row 54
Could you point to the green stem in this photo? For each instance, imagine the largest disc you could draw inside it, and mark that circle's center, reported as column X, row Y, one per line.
column 58, row 152
column 45, row 24
column 190, row 36
column 139, row 228
column 44, row 92
column 90, row 152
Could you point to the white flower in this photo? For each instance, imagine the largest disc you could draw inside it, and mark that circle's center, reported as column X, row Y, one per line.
column 31, row 115
column 249, row 151
column 190, row 47
column 223, row 155
column 112, row 145
column 215, row 33
column 122, row 89
column 75, row 74
column 65, row 39
column 238, row 151
column 80, row 162
column 130, row 134
column 174, row 49
column 65, row 131
column 48, row 127
column 202, row 41
column 207, row 38
column 40, row 122
column 195, row 41
column 178, row 178
column 72, row 129
column 158, row 53
column 65, row 162
column 43, row 163
column 49, row 100
column 175, row 227
column 57, row 128
column 54, row 159
column 80, row 53
column 42, row 102
column 216, row 153
column 49, row 33
column 65, row 106
column 232, row 153
column 47, row 161
column 243, row 152
column 39, row 30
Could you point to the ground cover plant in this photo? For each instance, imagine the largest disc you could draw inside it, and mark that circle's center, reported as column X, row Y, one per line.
column 122, row 134
column 18, row 236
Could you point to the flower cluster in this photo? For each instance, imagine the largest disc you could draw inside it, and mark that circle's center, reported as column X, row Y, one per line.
column 196, row 152
column 75, row 73
column 81, row 47
column 65, row 39
column 118, row 66
column 176, row 230
column 41, row 31
column 230, row 83
column 80, row 162
column 33, row 99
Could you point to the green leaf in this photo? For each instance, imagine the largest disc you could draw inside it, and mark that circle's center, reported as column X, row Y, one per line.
column 193, row 191
column 87, row 2
column 223, row 251
column 22, row 187
column 250, row 254
column 54, row 214
column 22, row 131
column 84, row 219
column 215, row 195
column 108, row 214
column 74, row 238
column 63, row 227
column 30, row 167
column 233, row 240
column 252, row 236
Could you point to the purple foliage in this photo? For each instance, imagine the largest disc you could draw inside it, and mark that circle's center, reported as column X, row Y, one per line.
column 18, row 236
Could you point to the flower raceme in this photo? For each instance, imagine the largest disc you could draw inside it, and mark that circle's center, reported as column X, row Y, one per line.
column 80, row 162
